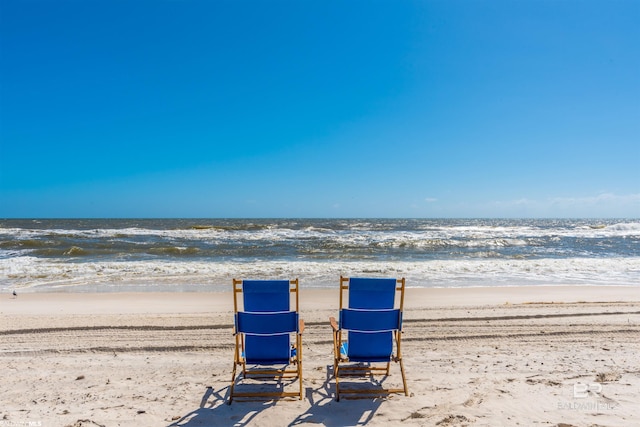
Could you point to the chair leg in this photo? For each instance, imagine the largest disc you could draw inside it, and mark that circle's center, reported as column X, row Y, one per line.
column 300, row 377
column 336, row 374
column 404, row 379
column 233, row 382
column 299, row 361
column 337, row 338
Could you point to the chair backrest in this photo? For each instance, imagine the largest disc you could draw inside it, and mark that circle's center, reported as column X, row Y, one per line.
column 267, row 324
column 371, row 293
column 266, row 295
column 265, row 319
column 371, row 317
column 370, row 320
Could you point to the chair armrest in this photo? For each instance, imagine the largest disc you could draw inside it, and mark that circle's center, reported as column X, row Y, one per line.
column 334, row 324
column 300, row 326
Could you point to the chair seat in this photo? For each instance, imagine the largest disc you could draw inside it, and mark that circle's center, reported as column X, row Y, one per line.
column 369, row 348
column 293, row 354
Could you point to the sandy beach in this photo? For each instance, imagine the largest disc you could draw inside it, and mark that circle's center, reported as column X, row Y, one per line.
column 549, row 356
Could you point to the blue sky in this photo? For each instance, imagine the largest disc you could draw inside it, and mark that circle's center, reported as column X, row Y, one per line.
column 319, row 108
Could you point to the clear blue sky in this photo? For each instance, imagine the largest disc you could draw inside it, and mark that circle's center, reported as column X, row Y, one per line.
column 319, row 108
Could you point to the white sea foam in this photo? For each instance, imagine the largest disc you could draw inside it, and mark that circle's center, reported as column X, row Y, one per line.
column 36, row 274
column 354, row 232
column 119, row 255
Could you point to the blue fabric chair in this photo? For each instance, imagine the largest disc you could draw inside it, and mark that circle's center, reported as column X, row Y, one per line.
column 372, row 322
column 264, row 326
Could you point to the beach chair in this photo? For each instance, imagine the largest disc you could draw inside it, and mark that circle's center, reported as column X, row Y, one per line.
column 264, row 325
column 371, row 321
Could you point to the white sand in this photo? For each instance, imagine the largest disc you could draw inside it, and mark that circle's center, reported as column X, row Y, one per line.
column 475, row 356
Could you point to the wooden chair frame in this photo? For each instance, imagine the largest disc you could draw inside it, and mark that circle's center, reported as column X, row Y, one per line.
column 274, row 373
column 369, row 369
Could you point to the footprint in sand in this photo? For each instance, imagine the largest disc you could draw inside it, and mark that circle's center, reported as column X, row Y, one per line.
column 451, row 420
column 474, row 400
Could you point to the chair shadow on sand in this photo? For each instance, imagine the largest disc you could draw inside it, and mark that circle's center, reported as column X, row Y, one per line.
column 215, row 410
column 323, row 408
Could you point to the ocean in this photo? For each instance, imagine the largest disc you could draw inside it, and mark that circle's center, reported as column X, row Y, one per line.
column 113, row 255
